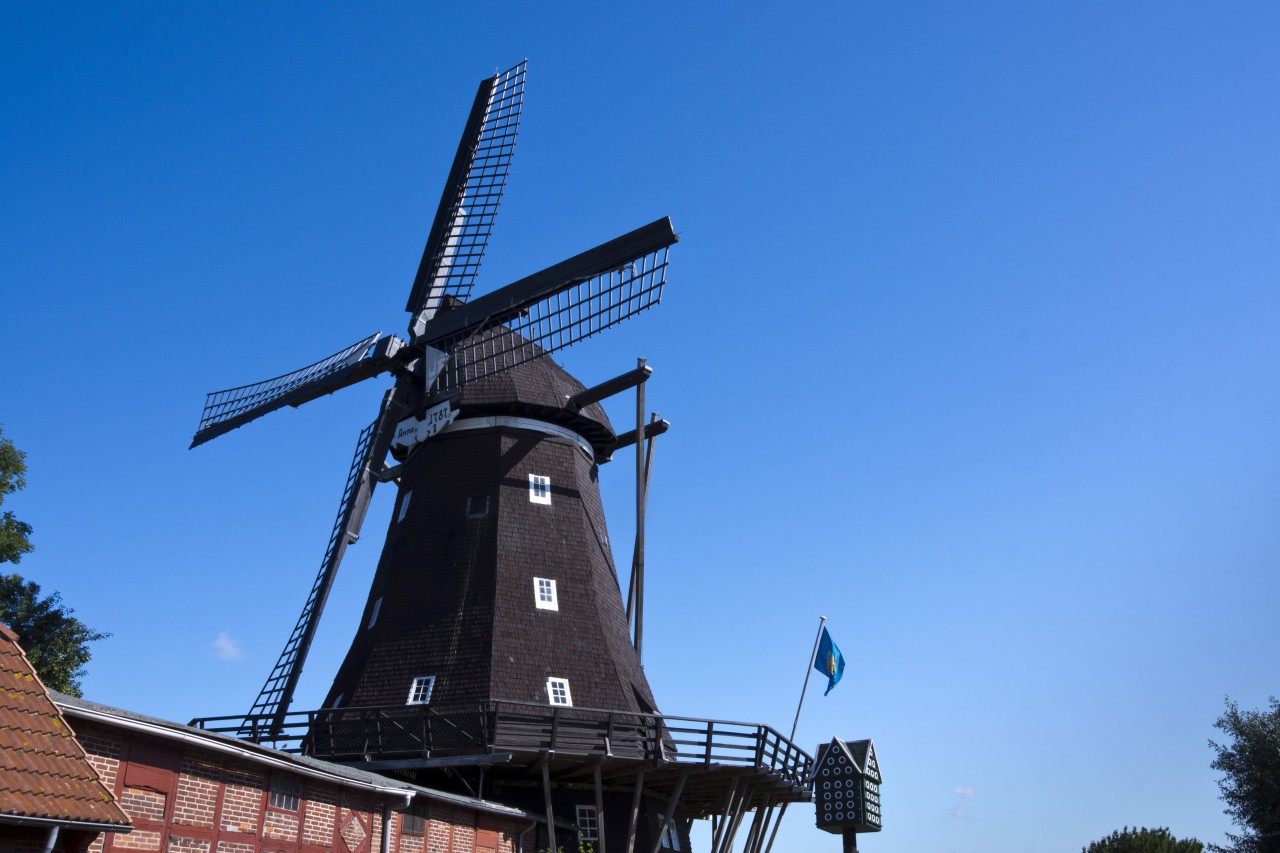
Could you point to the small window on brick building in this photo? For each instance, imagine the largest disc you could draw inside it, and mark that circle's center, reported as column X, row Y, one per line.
column 558, row 691
column 286, row 790
column 588, row 829
column 404, row 507
column 420, row 690
column 539, row 489
column 373, row 616
column 477, row 506
column 544, row 594
column 414, row 821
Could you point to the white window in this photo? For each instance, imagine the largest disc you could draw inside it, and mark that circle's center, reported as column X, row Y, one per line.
column 671, row 838
column 373, row 617
column 404, row 507
column 587, row 826
column 558, row 691
column 420, row 690
column 544, row 594
column 539, row 489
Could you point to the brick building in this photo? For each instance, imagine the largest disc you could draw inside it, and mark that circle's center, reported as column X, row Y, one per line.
column 192, row 791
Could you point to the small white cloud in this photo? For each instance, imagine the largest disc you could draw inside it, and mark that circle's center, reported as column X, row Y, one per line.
column 227, row 648
column 965, row 791
column 961, row 813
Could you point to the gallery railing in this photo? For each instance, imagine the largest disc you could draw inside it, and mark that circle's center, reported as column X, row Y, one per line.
column 403, row 732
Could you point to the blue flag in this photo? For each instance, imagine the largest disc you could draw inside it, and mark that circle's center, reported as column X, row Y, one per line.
column 829, row 661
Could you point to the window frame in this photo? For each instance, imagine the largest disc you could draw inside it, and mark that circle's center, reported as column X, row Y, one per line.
column 404, row 506
column 285, row 787
column 540, row 489
column 373, row 616
column 587, row 822
column 429, row 681
column 554, row 682
column 550, row 603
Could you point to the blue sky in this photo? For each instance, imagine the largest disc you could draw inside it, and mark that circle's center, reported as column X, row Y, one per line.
column 969, row 345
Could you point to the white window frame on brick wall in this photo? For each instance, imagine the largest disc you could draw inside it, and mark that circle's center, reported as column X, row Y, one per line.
column 286, row 792
column 588, row 826
column 373, row 617
column 539, row 489
column 558, row 692
column 404, row 507
column 544, row 594
column 420, row 690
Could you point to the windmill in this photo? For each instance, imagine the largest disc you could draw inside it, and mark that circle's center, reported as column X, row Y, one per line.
column 495, row 651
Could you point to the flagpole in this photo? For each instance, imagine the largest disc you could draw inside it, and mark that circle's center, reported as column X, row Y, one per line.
column 813, row 657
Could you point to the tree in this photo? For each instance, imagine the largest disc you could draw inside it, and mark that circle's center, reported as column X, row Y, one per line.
column 14, row 534
column 1144, row 841
column 56, row 643
column 1251, row 786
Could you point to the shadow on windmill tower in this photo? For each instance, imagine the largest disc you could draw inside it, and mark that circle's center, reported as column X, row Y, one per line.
column 496, row 655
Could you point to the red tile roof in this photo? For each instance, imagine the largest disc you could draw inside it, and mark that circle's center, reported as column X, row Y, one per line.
column 44, row 773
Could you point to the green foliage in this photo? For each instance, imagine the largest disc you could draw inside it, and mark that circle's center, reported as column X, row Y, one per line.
column 56, row 643
column 14, row 534
column 1251, row 786
column 583, row 847
column 1144, row 841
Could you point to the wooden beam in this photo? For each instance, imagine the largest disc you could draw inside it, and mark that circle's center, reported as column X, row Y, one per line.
column 637, row 570
column 671, row 811
column 608, row 388
column 635, row 811
column 600, row 833
column 546, row 798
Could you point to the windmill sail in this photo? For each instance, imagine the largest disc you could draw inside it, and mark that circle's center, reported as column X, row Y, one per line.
column 555, row 308
column 234, row 407
column 464, row 219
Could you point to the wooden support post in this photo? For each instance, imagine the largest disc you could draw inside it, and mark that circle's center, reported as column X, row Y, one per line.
column 638, row 569
column 671, row 811
column 781, row 813
column 718, row 833
column 635, row 811
column 743, row 802
column 600, row 833
column 754, row 829
column 764, row 828
column 635, row 551
column 546, row 797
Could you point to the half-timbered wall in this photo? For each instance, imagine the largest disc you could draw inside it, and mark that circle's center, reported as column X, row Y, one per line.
column 184, row 799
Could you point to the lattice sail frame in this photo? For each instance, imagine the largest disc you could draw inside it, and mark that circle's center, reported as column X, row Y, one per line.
column 221, row 406
column 470, row 217
column 572, row 314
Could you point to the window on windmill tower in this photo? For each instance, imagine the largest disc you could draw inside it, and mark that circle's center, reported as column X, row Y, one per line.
column 539, row 489
column 286, row 790
column 671, row 838
column 544, row 592
column 404, row 507
column 558, row 691
column 373, row 617
column 477, row 506
column 420, row 690
column 587, row 825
